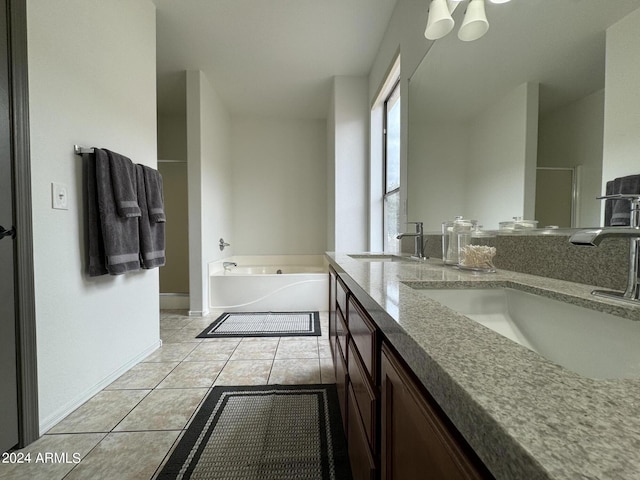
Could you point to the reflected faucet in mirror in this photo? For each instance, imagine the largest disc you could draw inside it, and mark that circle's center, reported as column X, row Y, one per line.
column 632, row 232
column 419, row 240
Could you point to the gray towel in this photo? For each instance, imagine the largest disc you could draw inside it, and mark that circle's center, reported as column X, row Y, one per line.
column 120, row 234
column 97, row 260
column 151, row 233
column 621, row 209
column 155, row 197
column 123, row 180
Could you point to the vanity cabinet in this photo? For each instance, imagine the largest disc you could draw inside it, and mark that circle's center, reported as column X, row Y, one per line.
column 395, row 430
column 417, row 440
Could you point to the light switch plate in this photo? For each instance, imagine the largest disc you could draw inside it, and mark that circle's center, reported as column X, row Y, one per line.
column 59, row 196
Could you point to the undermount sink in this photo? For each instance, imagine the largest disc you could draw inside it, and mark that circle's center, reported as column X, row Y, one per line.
column 380, row 257
column 591, row 343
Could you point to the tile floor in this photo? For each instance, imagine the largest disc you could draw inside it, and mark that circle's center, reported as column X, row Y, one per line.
column 128, row 429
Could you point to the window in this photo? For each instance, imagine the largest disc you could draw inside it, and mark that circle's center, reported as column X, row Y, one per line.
column 391, row 174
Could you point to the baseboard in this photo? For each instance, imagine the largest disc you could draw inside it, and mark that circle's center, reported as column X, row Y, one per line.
column 174, row 301
column 198, row 313
column 70, row 406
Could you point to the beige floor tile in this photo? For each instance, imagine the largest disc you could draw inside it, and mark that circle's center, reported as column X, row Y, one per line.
column 297, row 347
column 143, row 375
column 165, row 409
column 173, row 352
column 179, row 336
column 327, row 371
column 295, row 372
column 193, row 375
column 101, row 413
column 69, row 449
column 174, row 322
column 256, row 349
column 213, row 350
column 125, row 456
column 324, row 348
column 245, row 372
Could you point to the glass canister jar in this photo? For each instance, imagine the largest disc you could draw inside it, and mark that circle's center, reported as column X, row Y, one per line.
column 450, row 232
column 476, row 250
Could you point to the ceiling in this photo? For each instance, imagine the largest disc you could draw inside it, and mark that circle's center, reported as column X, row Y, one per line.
column 266, row 57
column 558, row 43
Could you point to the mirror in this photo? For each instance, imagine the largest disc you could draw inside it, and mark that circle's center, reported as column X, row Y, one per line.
column 512, row 124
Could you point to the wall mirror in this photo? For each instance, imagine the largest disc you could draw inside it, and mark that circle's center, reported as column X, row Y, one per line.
column 512, row 124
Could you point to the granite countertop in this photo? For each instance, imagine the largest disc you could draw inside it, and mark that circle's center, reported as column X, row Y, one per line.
column 525, row 416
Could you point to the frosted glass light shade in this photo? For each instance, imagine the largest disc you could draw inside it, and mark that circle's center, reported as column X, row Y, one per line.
column 440, row 21
column 475, row 24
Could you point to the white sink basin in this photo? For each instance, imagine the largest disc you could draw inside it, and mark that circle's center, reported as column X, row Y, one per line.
column 587, row 342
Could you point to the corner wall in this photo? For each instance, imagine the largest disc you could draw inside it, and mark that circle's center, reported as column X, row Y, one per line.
column 89, row 330
column 349, row 164
column 209, row 181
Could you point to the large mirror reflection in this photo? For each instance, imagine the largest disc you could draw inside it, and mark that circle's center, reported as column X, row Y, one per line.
column 512, row 125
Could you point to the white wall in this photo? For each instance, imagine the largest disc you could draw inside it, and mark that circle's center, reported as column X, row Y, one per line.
column 622, row 100
column 279, row 186
column 209, row 179
column 350, row 163
column 502, row 158
column 92, row 83
column 570, row 137
column 438, row 178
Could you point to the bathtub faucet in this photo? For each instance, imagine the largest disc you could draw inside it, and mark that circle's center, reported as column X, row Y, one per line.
column 228, row 265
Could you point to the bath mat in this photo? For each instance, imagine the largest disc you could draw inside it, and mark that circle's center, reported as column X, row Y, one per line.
column 285, row 432
column 264, row 324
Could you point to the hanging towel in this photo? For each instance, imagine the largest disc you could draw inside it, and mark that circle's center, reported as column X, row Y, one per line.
column 620, row 210
column 154, row 197
column 123, row 180
column 120, row 234
column 97, row 260
column 151, row 233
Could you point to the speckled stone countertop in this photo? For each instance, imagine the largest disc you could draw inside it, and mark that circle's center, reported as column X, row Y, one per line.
column 526, row 417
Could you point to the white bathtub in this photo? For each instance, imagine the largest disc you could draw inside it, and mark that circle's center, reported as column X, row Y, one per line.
column 255, row 286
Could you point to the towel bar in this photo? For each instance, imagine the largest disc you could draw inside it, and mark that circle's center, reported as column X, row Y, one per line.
column 78, row 150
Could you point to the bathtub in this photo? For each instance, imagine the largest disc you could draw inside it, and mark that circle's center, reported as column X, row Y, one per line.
column 263, row 283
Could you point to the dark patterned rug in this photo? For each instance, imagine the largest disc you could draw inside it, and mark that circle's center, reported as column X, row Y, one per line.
column 266, row 432
column 264, row 324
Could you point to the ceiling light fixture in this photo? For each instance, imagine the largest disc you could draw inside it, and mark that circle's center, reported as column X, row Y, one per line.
column 474, row 24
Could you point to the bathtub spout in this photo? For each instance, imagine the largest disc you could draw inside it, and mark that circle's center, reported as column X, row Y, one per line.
column 228, row 265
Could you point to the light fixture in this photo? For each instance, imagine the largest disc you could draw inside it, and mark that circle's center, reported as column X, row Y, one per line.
column 475, row 24
column 439, row 22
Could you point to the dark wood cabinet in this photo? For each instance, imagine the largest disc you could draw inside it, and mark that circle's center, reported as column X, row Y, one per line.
column 417, row 441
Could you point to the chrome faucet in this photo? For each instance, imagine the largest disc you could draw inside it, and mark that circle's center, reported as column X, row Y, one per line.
column 228, row 265
column 632, row 232
column 419, row 240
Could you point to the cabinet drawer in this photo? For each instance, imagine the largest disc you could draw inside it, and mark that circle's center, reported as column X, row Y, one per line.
column 363, row 466
column 365, row 395
column 341, row 296
column 341, row 332
column 341, row 384
column 363, row 335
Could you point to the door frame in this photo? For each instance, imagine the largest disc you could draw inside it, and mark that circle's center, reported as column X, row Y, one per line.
column 28, row 421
